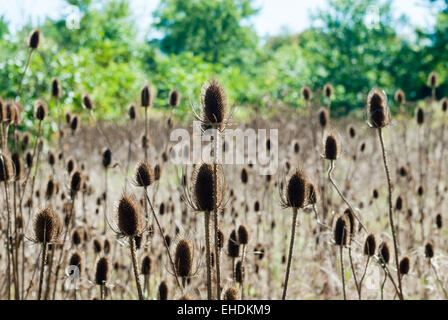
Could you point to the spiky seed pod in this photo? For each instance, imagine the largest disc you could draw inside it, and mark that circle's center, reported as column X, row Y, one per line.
column 342, row 231
column 18, row 166
column 351, row 220
column 444, row 104
column 331, row 147
column 34, row 39
column 75, row 182
column 297, row 190
column 87, row 102
column 51, row 158
column 377, row 109
column 204, row 197
column 146, row 96
column 183, row 258
column 296, row 147
column 352, row 132
column 324, row 117
column 107, row 158
column 129, row 219
column 163, row 290
column 243, row 235
column 404, row 265
column 71, row 165
column 132, row 112
column 97, row 246
column 145, row 142
column 399, row 203
column 6, row 168
column 144, row 176
column 231, row 293
column 76, row 260
column 375, row 194
column 51, row 188
column 138, row 241
column 420, row 116
column 146, row 265
column 157, row 172
column 56, row 90
column 26, row 139
column 46, row 226
column 433, row 80
column 312, row 193
column 362, row 148
column 162, row 209
column 102, row 271
column 403, row 172
column 328, row 90
column 439, row 222
column 174, row 98
column 214, row 103
column 420, row 191
column 233, row 247
column 306, row 93
column 10, row 113
column 429, row 250
column 370, row 245
column 107, row 245
column 244, row 176
column 384, row 252
column 239, row 272
column 220, row 239
column 40, row 110
column 74, row 123
column 400, row 97
column 76, row 238
column 29, row 159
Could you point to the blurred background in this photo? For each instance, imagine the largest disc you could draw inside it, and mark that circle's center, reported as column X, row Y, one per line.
column 263, row 51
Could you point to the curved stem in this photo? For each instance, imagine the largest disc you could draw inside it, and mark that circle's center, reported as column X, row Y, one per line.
column 391, row 217
column 291, row 247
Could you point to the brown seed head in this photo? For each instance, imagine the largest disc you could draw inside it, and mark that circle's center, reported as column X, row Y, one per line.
column 183, row 259
column 384, row 252
column 214, row 103
column 146, row 265
column 433, row 80
column 231, row 293
column 40, row 110
column 34, row 39
column 342, row 231
column 102, row 271
column 46, row 226
column 429, row 250
column 370, row 245
column 306, row 93
column 297, row 190
column 144, row 176
column 331, row 147
column 400, row 97
column 404, row 265
column 163, row 290
column 129, row 219
column 56, row 90
column 377, row 109
column 243, row 235
column 174, row 98
column 204, row 194
column 87, row 102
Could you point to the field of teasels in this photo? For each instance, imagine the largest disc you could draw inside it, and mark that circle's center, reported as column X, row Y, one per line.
column 356, row 209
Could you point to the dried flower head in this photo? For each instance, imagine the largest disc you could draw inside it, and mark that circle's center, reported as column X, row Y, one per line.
column 144, row 176
column 40, row 110
column 129, row 219
column 214, row 104
column 331, row 150
column 46, row 226
column 377, row 109
column 34, row 39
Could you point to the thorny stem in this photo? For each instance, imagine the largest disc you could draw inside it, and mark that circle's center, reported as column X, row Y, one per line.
column 342, row 272
column 135, row 265
column 207, row 249
column 216, row 219
column 391, row 217
column 291, row 247
column 42, row 265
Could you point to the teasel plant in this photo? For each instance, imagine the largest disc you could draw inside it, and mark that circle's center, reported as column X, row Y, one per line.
column 379, row 117
column 102, row 275
column 132, row 112
column 433, row 83
column 369, row 252
column 205, row 198
column 429, row 254
column 331, row 153
column 46, row 230
column 243, row 240
column 56, row 93
column 76, row 181
column 145, row 177
column 444, row 108
column 146, row 101
column 295, row 197
column 107, row 163
column 33, row 44
column 233, row 250
column 328, row 94
column 341, row 239
column 146, row 269
column 183, row 260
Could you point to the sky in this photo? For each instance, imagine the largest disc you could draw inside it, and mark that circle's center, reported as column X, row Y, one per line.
column 274, row 16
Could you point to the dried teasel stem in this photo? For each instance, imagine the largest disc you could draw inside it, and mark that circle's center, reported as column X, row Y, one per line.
column 208, row 254
column 135, row 266
column 216, row 218
column 291, row 250
column 391, row 217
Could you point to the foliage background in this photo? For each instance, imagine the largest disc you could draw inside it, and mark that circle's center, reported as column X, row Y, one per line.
column 213, row 38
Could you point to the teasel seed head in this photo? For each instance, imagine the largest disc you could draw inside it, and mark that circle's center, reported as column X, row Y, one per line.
column 51, row 189
column 420, row 191
column 146, row 265
column 214, row 103
column 183, row 258
column 107, row 158
column 97, row 246
column 306, row 93
column 75, row 182
column 370, row 245
column 244, row 176
column 146, row 96
column 220, row 239
column 297, row 190
column 76, row 238
column 399, row 203
column 51, row 158
column 18, row 166
column 377, row 109
column 129, row 219
column 87, row 102
column 342, row 231
column 243, row 235
column 429, row 250
column 56, row 90
column 352, row 132
column 46, row 226
column 157, row 172
column 40, row 110
column 174, row 98
column 324, row 117
column 231, row 293
column 204, row 197
column 439, row 222
column 351, row 220
column 420, row 116
column 296, row 147
column 328, row 90
column 107, row 245
column 239, row 272
column 144, row 176
column 34, row 39
column 384, row 252
column 102, row 271
column 163, row 290
column 433, row 80
column 74, row 123
column 76, row 260
column 132, row 112
column 331, row 147
column 71, row 165
column 400, row 97
column 6, row 168
column 444, row 104
column 233, row 247
column 404, row 265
